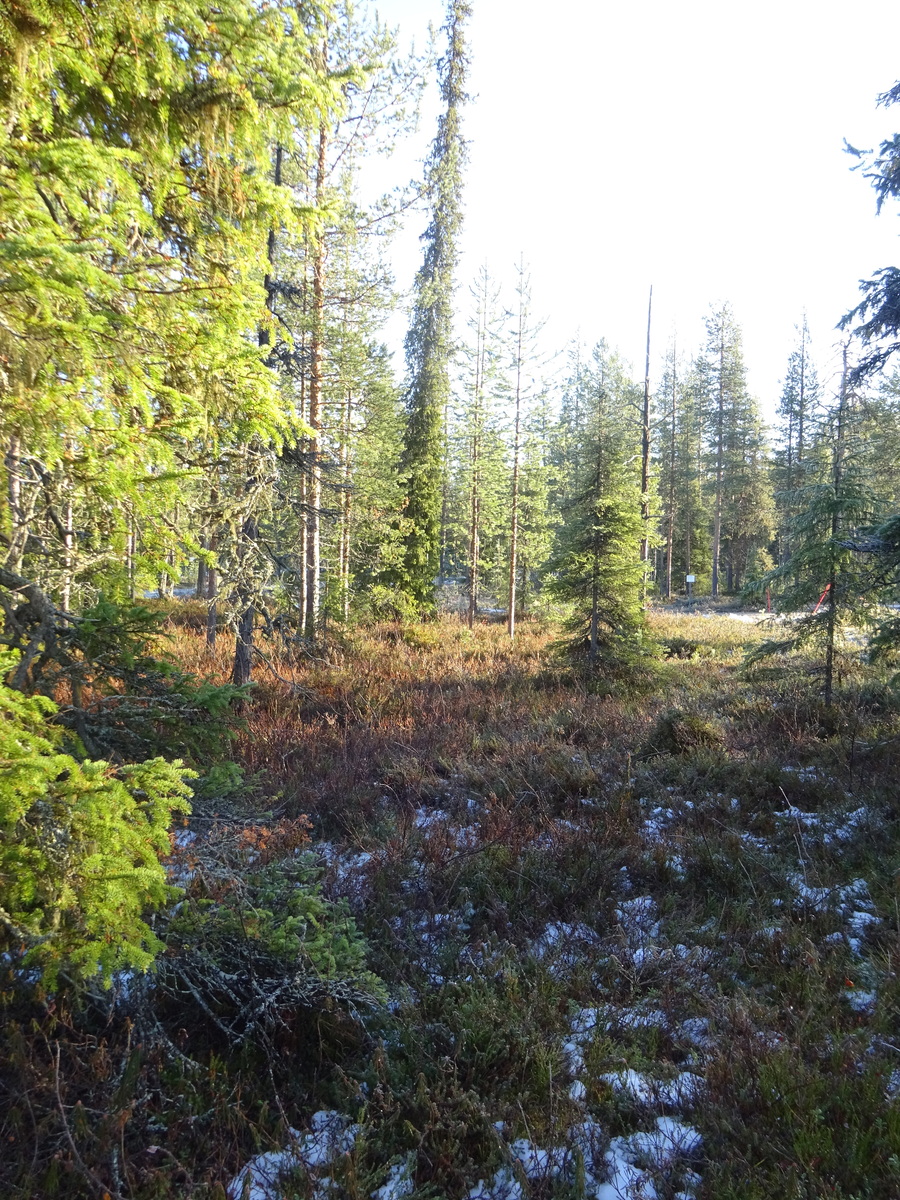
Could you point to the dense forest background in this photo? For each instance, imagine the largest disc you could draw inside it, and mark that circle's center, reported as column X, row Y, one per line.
column 196, row 390
column 217, row 485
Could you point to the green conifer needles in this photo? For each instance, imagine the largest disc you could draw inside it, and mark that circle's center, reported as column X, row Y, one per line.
column 80, row 847
column 429, row 342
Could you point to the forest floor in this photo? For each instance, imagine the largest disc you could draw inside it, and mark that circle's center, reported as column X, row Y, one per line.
column 640, row 935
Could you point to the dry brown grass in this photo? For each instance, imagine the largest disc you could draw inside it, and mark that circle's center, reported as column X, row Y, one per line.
column 468, row 797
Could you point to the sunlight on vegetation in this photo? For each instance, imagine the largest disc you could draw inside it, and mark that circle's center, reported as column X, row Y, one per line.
column 478, row 787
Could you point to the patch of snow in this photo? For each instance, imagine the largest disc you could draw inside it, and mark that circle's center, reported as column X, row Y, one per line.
column 624, row 1180
column 347, row 869
column 578, row 1092
column 331, row 1134
column 638, row 919
column 806, row 820
column 502, row 1187
column 399, row 1182
column 634, row 1018
column 677, row 866
column 540, row 1164
column 844, row 831
column 860, row 922
column 584, row 1021
column 696, row 1031
column 426, row 818
column 804, row 774
column 859, row 1000
column 574, row 1057
column 681, row 1092
column 830, row 827
column 660, row 1147
column 851, row 902
column 563, row 945
column 758, row 843
column 657, row 1149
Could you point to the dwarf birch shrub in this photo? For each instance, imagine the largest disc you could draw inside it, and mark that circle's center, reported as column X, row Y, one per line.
column 80, row 846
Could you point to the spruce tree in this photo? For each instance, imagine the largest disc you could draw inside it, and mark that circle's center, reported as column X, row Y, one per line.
column 792, row 460
column 735, row 452
column 596, row 565
column 482, row 459
column 429, row 342
column 524, row 333
column 534, row 539
column 827, row 578
column 134, row 205
column 683, row 525
column 876, row 320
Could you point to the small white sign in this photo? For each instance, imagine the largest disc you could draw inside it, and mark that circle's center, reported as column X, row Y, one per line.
column 690, row 578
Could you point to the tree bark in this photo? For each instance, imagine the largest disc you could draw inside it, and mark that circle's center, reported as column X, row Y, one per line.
column 243, row 651
column 202, row 571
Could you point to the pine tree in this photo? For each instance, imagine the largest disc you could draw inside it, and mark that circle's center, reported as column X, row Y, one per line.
column 429, row 343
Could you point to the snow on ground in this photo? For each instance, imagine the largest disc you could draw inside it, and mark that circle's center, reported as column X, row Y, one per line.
column 681, row 1092
column 850, row 902
column 563, row 945
column 656, row 1160
column 622, row 1168
column 629, row 1167
column 330, row 1135
column 829, row 828
column 399, row 1181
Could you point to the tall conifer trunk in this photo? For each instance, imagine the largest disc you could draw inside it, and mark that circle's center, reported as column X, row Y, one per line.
column 212, row 592
column 18, row 524
column 316, row 369
column 837, row 480
column 242, row 667
column 514, row 515
column 517, row 427
column 670, row 523
column 202, row 570
column 475, row 460
column 645, row 460
column 720, row 451
column 346, row 501
column 429, row 345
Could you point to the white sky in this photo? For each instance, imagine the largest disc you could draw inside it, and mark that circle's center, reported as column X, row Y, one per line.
column 695, row 145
